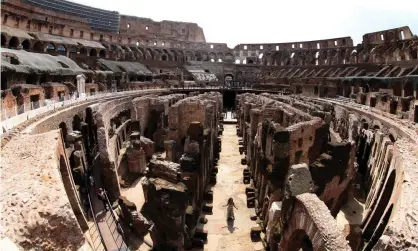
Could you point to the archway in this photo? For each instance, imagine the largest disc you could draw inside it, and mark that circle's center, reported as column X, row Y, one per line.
column 50, row 47
column 3, row 40
column 83, row 51
column 14, row 42
column 93, row 53
column 228, row 79
column 102, row 53
column 26, row 44
column 73, row 50
column 62, row 50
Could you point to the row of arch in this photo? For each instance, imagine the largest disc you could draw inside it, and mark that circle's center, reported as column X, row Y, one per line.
column 39, row 46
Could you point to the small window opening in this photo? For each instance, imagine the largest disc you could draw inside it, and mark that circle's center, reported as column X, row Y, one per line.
column 300, row 45
column 293, row 46
column 335, row 42
column 137, row 43
column 128, row 26
column 28, row 24
column 261, row 47
column 72, row 32
column 382, row 37
column 146, row 27
column 91, row 36
column 155, row 42
column 17, row 22
column 277, row 47
column 81, row 34
column 318, row 46
column 163, row 43
column 50, row 29
column 211, row 46
column 402, row 35
column 245, row 47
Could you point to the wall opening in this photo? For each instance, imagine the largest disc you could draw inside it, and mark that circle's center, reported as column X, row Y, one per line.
column 229, row 99
column 402, row 35
column 14, row 42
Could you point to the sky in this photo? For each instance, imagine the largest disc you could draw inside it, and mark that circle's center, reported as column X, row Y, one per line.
column 274, row 21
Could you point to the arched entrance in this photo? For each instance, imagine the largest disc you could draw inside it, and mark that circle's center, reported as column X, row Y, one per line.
column 14, row 42
column 228, row 79
column 26, row 45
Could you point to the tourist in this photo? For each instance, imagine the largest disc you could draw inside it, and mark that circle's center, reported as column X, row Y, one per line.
column 102, row 196
column 230, row 209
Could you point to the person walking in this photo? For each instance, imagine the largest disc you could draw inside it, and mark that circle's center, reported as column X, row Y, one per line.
column 102, row 196
column 230, row 209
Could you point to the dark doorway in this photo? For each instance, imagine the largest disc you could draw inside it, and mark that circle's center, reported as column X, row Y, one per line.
column 372, row 101
column 393, row 106
column 229, row 99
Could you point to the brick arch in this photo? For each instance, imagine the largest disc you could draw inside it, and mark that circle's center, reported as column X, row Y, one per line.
column 310, row 215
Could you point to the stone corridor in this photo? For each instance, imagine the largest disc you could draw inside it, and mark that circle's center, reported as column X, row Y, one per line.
column 222, row 236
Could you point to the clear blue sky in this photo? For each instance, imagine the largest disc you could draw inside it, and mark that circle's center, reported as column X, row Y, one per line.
column 269, row 21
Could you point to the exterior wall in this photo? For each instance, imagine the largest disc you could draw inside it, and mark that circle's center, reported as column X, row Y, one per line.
column 146, row 29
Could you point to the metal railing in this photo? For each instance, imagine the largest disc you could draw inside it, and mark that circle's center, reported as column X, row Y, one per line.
column 115, row 228
column 94, row 233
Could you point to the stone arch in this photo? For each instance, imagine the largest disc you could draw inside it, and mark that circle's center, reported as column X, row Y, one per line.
column 149, row 55
column 174, row 55
column 73, row 50
column 205, row 56
column 212, row 55
column 14, row 42
column 168, row 54
column 93, row 53
column 189, row 56
column 220, row 55
column 51, row 47
column 198, row 56
column 26, row 44
column 83, row 51
column 38, row 46
column 3, row 40
column 229, row 58
column 180, row 55
column 102, row 53
column 309, row 215
column 62, row 49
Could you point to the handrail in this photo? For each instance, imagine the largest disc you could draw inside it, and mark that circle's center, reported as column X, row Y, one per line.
column 118, row 227
column 122, row 234
column 93, row 214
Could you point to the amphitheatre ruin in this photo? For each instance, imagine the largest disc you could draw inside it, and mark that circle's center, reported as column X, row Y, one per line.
column 123, row 133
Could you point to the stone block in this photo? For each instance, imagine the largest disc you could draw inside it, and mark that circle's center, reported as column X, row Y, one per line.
column 201, row 234
column 249, row 189
column 207, row 208
column 250, row 202
column 203, row 220
column 255, row 232
column 246, row 180
column 243, row 161
column 208, row 196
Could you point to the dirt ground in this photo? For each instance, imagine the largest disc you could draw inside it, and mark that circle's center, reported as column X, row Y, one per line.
column 221, row 235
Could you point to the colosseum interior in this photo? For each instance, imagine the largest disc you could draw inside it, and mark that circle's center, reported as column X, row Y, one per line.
column 123, row 133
